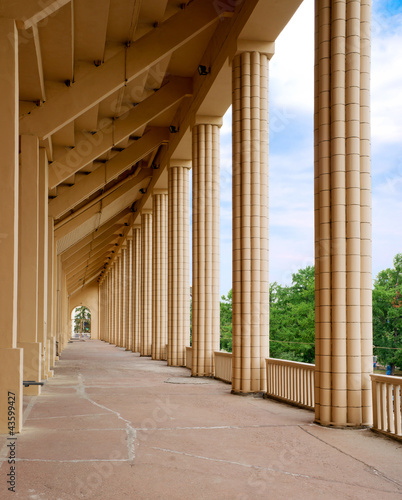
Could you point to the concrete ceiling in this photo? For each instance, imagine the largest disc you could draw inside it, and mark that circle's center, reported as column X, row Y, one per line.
column 100, row 83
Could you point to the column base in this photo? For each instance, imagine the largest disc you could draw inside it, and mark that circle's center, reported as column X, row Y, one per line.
column 11, row 376
column 32, row 366
column 344, row 426
column 258, row 394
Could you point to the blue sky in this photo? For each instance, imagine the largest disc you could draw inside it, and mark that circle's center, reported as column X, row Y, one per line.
column 291, row 146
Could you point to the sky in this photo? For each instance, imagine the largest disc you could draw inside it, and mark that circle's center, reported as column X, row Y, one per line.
column 291, row 147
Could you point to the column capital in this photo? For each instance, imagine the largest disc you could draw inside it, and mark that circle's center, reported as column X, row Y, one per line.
column 145, row 211
column 136, row 227
column 242, row 45
column 159, row 191
column 180, row 163
column 130, row 234
column 206, row 120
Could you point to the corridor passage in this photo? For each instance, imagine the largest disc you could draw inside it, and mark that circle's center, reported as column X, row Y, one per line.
column 114, row 425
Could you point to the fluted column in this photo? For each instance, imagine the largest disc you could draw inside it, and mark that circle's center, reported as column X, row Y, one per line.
column 250, row 216
column 159, row 273
column 110, row 306
column 136, row 279
column 120, row 302
column 342, row 213
column 116, row 302
column 178, row 262
column 124, row 296
column 205, row 296
column 129, row 324
column 146, row 282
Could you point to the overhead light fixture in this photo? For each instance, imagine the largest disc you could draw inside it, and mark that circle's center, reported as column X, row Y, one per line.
column 143, row 190
column 203, row 70
column 173, row 129
column 155, row 166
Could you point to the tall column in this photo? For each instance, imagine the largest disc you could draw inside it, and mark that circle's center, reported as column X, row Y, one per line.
column 112, row 304
column 178, row 262
column 146, row 282
column 50, row 296
column 106, row 305
column 43, row 262
column 342, row 213
column 117, row 302
column 129, row 325
column 110, row 299
column 124, row 296
column 28, row 262
column 109, row 306
column 159, row 273
column 11, row 357
column 59, row 307
column 205, row 292
column 136, row 279
column 250, row 216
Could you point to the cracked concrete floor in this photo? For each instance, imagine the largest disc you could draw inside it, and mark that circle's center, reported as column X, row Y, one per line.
column 112, row 425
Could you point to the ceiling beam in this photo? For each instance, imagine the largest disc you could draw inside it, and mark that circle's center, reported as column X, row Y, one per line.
column 110, row 194
column 89, row 251
column 107, row 238
column 87, row 259
column 89, row 146
column 107, row 226
column 86, row 267
column 107, row 172
column 100, row 82
column 28, row 13
column 92, row 244
column 65, row 228
column 93, row 276
column 225, row 37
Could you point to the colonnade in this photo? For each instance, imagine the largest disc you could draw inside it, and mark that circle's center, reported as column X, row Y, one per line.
column 144, row 297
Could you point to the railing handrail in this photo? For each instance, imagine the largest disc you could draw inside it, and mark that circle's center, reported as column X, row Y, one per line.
column 388, row 379
column 285, row 362
column 223, row 353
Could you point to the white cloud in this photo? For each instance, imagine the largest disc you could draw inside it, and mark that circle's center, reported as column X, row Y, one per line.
column 386, row 80
column 291, row 68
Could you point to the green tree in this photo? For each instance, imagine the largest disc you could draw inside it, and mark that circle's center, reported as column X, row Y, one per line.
column 292, row 315
column 226, row 322
column 82, row 320
column 387, row 315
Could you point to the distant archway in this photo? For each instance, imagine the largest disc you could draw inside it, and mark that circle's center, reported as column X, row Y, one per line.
column 81, row 322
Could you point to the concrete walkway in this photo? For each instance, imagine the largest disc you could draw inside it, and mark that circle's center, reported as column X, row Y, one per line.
column 112, row 425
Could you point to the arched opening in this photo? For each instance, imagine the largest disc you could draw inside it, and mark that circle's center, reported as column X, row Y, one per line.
column 81, row 323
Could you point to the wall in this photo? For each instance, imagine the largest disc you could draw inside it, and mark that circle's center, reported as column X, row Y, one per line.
column 88, row 297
